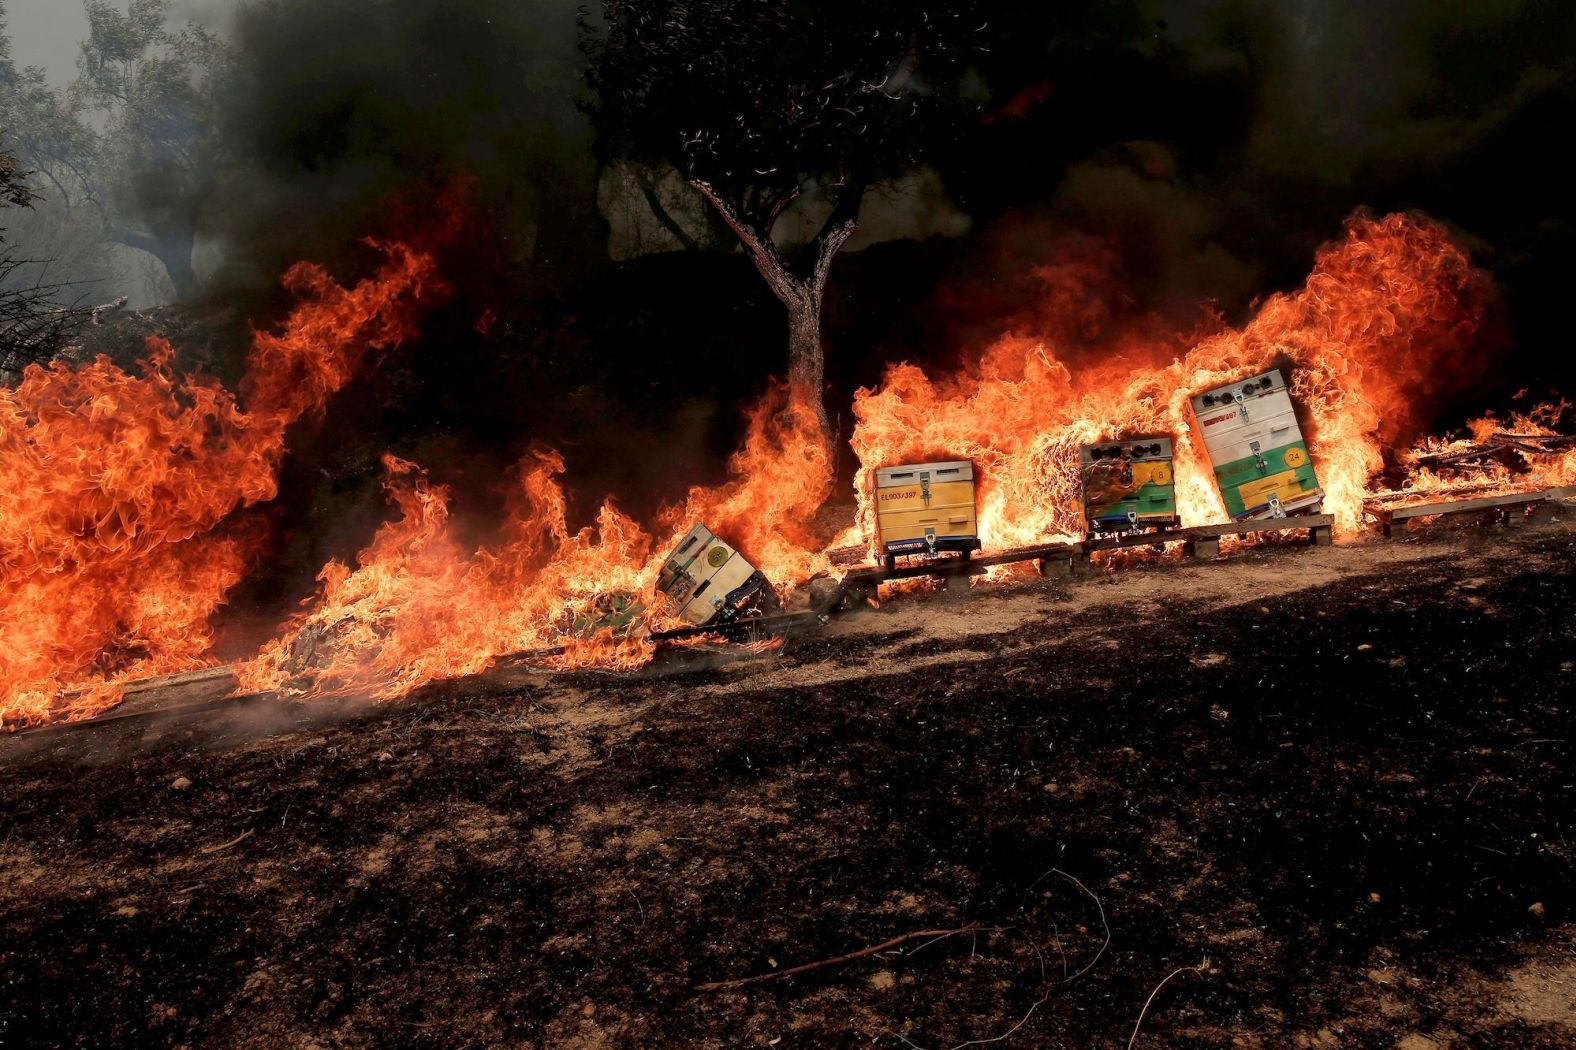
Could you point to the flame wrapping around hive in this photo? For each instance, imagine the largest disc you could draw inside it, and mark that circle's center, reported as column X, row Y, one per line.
column 418, row 607
column 1377, row 337
column 1379, row 330
column 1374, row 340
column 116, row 487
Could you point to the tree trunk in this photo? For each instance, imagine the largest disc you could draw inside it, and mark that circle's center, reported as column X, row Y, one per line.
column 800, row 295
column 807, row 358
column 177, row 260
column 173, row 249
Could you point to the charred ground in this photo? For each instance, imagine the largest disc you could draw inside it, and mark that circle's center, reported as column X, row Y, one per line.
column 1337, row 784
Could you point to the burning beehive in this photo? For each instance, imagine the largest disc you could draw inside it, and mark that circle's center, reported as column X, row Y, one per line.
column 926, row 508
column 99, row 523
column 1261, row 462
column 1128, row 484
column 709, row 583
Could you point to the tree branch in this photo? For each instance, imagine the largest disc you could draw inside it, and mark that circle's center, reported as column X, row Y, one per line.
column 134, row 239
column 648, row 190
column 768, row 260
column 780, row 205
column 839, row 226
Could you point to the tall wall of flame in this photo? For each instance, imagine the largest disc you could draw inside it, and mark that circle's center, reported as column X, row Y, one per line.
column 1375, row 339
column 116, row 490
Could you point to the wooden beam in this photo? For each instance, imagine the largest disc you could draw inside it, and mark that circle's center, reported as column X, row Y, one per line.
column 168, row 681
column 1463, row 506
column 218, row 704
column 1240, row 528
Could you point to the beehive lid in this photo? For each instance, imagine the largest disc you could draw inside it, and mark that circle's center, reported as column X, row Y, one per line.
column 1130, row 446
column 909, row 474
column 1254, row 386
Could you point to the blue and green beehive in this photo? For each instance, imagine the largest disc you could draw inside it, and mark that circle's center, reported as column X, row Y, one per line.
column 1128, row 484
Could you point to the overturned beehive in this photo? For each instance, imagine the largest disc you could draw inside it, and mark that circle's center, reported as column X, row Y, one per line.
column 711, row 584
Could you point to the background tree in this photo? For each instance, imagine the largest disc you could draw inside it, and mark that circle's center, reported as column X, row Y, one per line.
column 33, row 325
column 132, row 144
column 767, row 106
column 161, row 156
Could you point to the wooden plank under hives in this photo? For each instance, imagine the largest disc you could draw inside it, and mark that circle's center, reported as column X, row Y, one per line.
column 874, row 574
column 1388, row 518
column 1203, row 541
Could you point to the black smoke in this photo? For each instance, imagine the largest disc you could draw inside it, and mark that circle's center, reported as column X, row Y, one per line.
column 1201, row 151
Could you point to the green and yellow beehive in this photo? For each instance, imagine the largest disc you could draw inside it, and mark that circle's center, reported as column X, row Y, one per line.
column 1128, row 484
column 1261, row 461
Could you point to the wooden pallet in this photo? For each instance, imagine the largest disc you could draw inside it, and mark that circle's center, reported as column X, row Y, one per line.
column 862, row 581
column 1203, row 541
column 1508, row 509
column 1200, row 541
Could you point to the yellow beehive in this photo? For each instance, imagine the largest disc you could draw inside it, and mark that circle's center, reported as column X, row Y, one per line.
column 926, row 508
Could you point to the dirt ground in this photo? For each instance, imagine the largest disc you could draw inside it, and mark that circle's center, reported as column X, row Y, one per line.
column 1302, row 798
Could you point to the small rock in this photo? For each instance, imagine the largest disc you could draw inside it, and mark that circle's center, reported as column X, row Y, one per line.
column 1537, row 910
column 1051, row 789
column 1364, row 647
column 1373, row 898
column 180, row 784
column 385, row 756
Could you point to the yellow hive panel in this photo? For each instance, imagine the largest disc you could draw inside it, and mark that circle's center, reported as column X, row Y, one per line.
column 902, row 512
column 1283, row 486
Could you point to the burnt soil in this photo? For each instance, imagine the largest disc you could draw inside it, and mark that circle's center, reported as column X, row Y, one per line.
column 1342, row 801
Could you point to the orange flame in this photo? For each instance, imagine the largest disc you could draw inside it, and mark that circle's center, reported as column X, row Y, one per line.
column 1380, row 333
column 1531, row 466
column 113, row 484
column 1379, row 329
column 1375, row 337
column 418, row 608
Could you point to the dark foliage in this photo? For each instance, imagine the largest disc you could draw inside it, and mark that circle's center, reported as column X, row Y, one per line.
column 33, row 325
column 767, row 101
